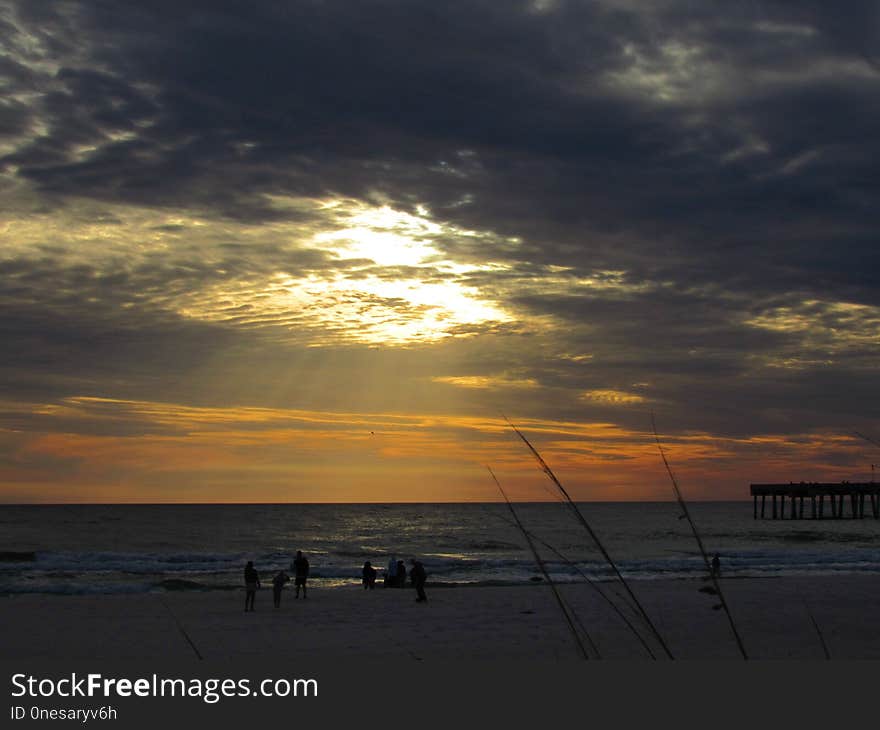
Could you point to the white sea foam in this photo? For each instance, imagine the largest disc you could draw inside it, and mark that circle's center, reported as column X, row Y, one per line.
column 108, row 549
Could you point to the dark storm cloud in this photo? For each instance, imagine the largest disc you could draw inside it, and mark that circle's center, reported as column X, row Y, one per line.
column 726, row 184
column 328, row 93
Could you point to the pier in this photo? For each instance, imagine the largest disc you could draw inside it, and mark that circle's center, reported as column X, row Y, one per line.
column 838, row 495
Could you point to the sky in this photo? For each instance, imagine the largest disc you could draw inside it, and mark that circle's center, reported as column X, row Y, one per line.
column 319, row 250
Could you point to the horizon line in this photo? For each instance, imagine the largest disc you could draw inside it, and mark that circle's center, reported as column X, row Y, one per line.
column 342, row 503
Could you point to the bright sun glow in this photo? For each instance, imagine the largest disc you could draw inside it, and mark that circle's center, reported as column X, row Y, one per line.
column 385, row 236
column 394, row 284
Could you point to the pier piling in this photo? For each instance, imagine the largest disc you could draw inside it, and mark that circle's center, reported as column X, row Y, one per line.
column 797, row 492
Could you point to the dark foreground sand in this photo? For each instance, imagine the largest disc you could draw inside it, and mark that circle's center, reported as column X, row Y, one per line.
column 463, row 623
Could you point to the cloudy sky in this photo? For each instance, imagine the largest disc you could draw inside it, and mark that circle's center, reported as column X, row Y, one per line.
column 316, row 250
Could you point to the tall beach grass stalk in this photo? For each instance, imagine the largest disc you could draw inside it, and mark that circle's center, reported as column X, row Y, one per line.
column 816, row 627
column 696, row 533
column 182, row 630
column 870, row 440
column 594, row 585
column 569, row 617
column 595, row 538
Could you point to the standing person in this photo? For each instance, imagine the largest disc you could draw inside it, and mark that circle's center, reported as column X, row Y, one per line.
column 251, row 583
column 400, row 579
column 716, row 566
column 369, row 574
column 301, row 573
column 278, row 585
column 418, row 576
column 391, row 573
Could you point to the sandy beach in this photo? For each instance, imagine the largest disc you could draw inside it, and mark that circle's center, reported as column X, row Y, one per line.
column 457, row 623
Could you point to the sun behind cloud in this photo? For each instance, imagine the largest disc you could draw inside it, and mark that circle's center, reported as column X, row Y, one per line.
column 393, row 285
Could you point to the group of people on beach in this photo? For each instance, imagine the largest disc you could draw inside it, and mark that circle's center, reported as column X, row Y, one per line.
column 300, row 569
column 395, row 574
column 395, row 577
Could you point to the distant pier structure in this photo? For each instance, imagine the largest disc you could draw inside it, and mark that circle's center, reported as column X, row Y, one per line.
column 798, row 492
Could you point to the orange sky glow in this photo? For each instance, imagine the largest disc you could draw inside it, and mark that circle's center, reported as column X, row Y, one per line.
column 199, row 454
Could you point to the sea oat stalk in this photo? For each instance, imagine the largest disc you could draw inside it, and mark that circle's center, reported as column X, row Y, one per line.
column 595, row 538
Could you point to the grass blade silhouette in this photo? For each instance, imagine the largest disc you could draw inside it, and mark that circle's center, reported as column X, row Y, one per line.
column 870, row 440
column 687, row 515
column 181, row 629
column 595, row 586
column 595, row 538
column 569, row 618
column 818, row 630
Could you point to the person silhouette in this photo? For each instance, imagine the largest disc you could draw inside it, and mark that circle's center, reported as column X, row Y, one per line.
column 369, row 576
column 400, row 578
column 391, row 572
column 251, row 584
column 419, row 577
column 301, row 573
column 716, row 566
column 278, row 585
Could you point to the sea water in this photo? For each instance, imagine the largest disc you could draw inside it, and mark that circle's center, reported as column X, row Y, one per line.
column 72, row 549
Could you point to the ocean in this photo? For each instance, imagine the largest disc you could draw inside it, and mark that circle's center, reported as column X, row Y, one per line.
column 81, row 549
